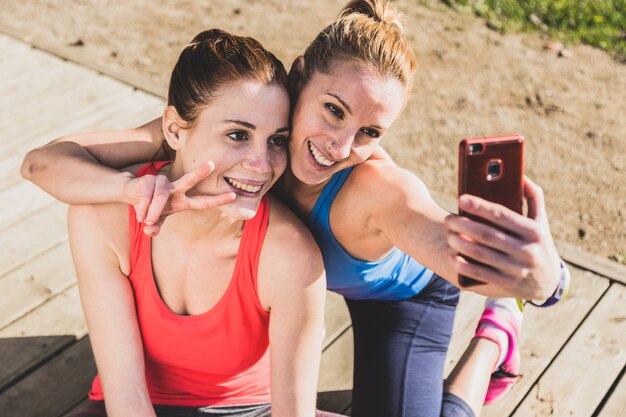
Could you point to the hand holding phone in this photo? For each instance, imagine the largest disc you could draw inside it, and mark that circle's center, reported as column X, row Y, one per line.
column 491, row 168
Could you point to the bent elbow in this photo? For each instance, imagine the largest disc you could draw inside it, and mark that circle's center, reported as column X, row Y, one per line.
column 29, row 166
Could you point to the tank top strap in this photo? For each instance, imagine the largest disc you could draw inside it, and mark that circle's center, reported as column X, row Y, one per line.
column 321, row 209
column 252, row 239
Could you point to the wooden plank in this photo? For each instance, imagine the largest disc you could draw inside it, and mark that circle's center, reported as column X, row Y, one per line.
column 132, row 111
column 85, row 104
column 336, row 318
column 34, row 235
column 544, row 333
column 62, row 315
column 34, row 283
column 468, row 312
column 77, row 407
column 55, row 388
column 616, row 403
column 21, row 62
column 336, row 365
column 10, row 170
column 56, row 111
column 605, row 267
column 338, row 332
column 45, row 80
column 21, row 355
column 594, row 357
column 334, row 401
column 20, row 201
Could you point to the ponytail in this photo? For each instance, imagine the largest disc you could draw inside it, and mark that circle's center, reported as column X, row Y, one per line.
column 369, row 32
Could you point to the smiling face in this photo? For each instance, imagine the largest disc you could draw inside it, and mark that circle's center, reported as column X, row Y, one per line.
column 244, row 132
column 339, row 118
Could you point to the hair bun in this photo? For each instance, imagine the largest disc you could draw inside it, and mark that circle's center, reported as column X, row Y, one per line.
column 379, row 10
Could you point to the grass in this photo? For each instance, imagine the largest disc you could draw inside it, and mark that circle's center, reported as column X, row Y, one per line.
column 599, row 23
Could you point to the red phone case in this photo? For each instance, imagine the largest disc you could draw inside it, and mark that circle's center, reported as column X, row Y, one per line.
column 491, row 168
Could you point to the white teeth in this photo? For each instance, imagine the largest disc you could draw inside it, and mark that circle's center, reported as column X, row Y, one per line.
column 319, row 158
column 244, row 187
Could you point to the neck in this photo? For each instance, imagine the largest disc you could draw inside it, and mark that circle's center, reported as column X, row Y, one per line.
column 196, row 225
column 297, row 195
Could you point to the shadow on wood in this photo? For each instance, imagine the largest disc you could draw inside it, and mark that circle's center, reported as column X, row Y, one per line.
column 335, row 401
column 44, row 376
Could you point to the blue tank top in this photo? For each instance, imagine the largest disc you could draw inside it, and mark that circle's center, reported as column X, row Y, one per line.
column 395, row 277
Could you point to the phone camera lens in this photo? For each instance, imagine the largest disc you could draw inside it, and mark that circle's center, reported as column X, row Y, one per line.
column 475, row 148
column 494, row 169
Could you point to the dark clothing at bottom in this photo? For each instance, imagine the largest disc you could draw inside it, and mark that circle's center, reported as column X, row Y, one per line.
column 97, row 409
column 399, row 354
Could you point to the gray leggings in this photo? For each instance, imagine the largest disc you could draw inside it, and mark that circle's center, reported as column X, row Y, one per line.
column 97, row 409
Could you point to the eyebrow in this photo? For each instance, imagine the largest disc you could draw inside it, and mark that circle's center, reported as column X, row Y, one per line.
column 350, row 110
column 342, row 102
column 242, row 123
column 253, row 127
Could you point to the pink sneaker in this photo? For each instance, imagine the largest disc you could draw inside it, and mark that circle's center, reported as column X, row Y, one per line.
column 503, row 378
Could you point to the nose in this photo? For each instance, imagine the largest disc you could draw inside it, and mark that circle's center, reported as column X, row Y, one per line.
column 340, row 145
column 258, row 160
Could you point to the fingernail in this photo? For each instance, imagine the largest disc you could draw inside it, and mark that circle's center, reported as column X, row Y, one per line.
column 464, row 199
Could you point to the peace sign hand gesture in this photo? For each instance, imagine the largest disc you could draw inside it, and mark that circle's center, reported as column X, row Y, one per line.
column 155, row 197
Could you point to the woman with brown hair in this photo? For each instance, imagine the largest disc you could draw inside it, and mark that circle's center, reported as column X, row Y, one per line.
column 182, row 323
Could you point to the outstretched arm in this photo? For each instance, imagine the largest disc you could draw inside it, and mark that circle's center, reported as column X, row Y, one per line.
column 83, row 168
column 109, row 308
column 520, row 258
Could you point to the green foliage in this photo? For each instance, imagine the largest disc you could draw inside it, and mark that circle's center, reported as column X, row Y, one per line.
column 600, row 23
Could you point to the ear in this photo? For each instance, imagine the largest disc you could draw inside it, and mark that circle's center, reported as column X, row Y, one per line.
column 172, row 127
column 296, row 74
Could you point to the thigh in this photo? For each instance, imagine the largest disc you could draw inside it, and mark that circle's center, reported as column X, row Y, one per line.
column 399, row 353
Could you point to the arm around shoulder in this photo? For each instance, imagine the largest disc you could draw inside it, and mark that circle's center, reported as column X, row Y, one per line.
column 292, row 285
column 82, row 168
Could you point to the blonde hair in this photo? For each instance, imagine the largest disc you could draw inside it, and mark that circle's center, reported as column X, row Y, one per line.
column 369, row 32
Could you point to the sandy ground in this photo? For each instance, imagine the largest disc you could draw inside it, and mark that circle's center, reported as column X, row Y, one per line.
column 471, row 82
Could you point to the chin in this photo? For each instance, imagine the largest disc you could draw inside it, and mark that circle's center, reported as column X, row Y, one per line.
column 241, row 212
column 310, row 176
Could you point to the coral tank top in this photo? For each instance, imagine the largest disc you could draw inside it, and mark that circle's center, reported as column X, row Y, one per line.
column 219, row 357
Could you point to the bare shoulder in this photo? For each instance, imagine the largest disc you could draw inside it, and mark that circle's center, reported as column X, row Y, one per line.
column 100, row 228
column 288, row 237
column 384, row 184
column 290, row 260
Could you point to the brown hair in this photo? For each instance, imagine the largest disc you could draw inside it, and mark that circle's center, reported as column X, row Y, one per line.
column 213, row 58
column 369, row 32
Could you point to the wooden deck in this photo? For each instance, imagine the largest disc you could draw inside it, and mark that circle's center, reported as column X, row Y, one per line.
column 573, row 354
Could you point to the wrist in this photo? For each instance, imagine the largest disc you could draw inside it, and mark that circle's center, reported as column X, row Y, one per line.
column 561, row 290
column 125, row 195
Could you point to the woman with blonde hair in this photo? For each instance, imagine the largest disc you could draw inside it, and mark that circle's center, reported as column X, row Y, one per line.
column 387, row 247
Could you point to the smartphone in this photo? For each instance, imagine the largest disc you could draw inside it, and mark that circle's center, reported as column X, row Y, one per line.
column 491, row 168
